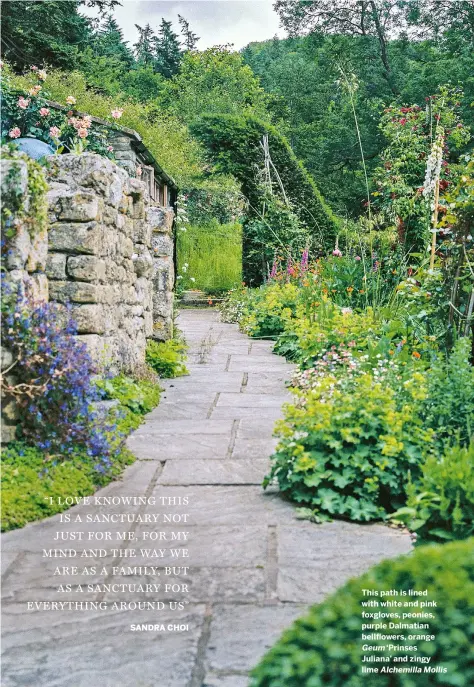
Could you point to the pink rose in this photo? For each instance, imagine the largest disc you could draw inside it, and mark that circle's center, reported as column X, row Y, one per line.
column 23, row 102
column 337, row 253
column 15, row 132
column 82, row 133
column 357, row 257
column 54, row 132
column 109, row 148
column 44, row 112
column 116, row 114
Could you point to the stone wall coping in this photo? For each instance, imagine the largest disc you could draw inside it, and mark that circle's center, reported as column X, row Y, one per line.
column 136, row 139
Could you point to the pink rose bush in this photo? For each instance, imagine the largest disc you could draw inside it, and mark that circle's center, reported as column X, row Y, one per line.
column 30, row 114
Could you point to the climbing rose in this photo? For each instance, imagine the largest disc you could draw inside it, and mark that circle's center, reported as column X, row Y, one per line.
column 71, row 100
column 44, row 112
column 82, row 133
column 116, row 114
column 54, row 131
column 14, row 133
column 23, row 102
column 34, row 68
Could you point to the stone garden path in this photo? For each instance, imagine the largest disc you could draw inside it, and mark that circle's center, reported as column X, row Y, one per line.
column 254, row 568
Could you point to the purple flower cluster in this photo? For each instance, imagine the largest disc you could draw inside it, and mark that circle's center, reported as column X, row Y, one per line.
column 52, row 380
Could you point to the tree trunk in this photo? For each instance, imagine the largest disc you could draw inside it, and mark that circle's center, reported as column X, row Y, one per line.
column 383, row 47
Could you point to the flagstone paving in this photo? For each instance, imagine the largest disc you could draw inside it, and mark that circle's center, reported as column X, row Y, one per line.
column 254, row 568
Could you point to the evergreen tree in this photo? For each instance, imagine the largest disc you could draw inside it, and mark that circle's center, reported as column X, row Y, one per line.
column 167, row 50
column 190, row 39
column 145, row 46
column 110, row 43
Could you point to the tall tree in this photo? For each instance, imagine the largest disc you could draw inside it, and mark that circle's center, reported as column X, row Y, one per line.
column 215, row 80
column 47, row 31
column 190, row 39
column 109, row 42
column 145, row 46
column 167, row 50
column 377, row 18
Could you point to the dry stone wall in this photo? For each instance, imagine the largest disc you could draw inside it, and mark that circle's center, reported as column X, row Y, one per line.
column 102, row 259
column 24, row 257
column 108, row 253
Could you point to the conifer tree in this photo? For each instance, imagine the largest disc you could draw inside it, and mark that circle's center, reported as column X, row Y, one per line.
column 190, row 39
column 145, row 46
column 167, row 50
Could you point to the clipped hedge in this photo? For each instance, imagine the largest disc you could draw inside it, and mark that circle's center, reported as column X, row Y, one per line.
column 233, row 143
column 324, row 646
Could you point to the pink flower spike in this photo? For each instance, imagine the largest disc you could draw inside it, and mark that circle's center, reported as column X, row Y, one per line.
column 82, row 133
column 15, row 132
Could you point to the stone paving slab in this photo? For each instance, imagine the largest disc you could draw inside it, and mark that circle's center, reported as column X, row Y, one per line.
column 185, row 447
column 254, row 568
column 197, row 471
column 180, row 427
column 101, row 654
column 225, row 413
column 233, row 400
column 254, row 631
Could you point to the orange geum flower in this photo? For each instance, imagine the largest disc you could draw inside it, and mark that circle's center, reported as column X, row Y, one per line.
column 415, row 354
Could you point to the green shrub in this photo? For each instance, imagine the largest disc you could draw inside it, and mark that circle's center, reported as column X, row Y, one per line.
column 30, row 477
column 267, row 310
column 166, row 358
column 449, row 405
column 347, row 445
column 441, row 505
column 323, row 648
column 138, row 396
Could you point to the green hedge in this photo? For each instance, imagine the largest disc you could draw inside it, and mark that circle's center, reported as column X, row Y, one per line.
column 233, row 144
column 324, row 647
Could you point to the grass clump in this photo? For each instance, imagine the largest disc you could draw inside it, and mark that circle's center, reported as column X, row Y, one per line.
column 213, row 255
